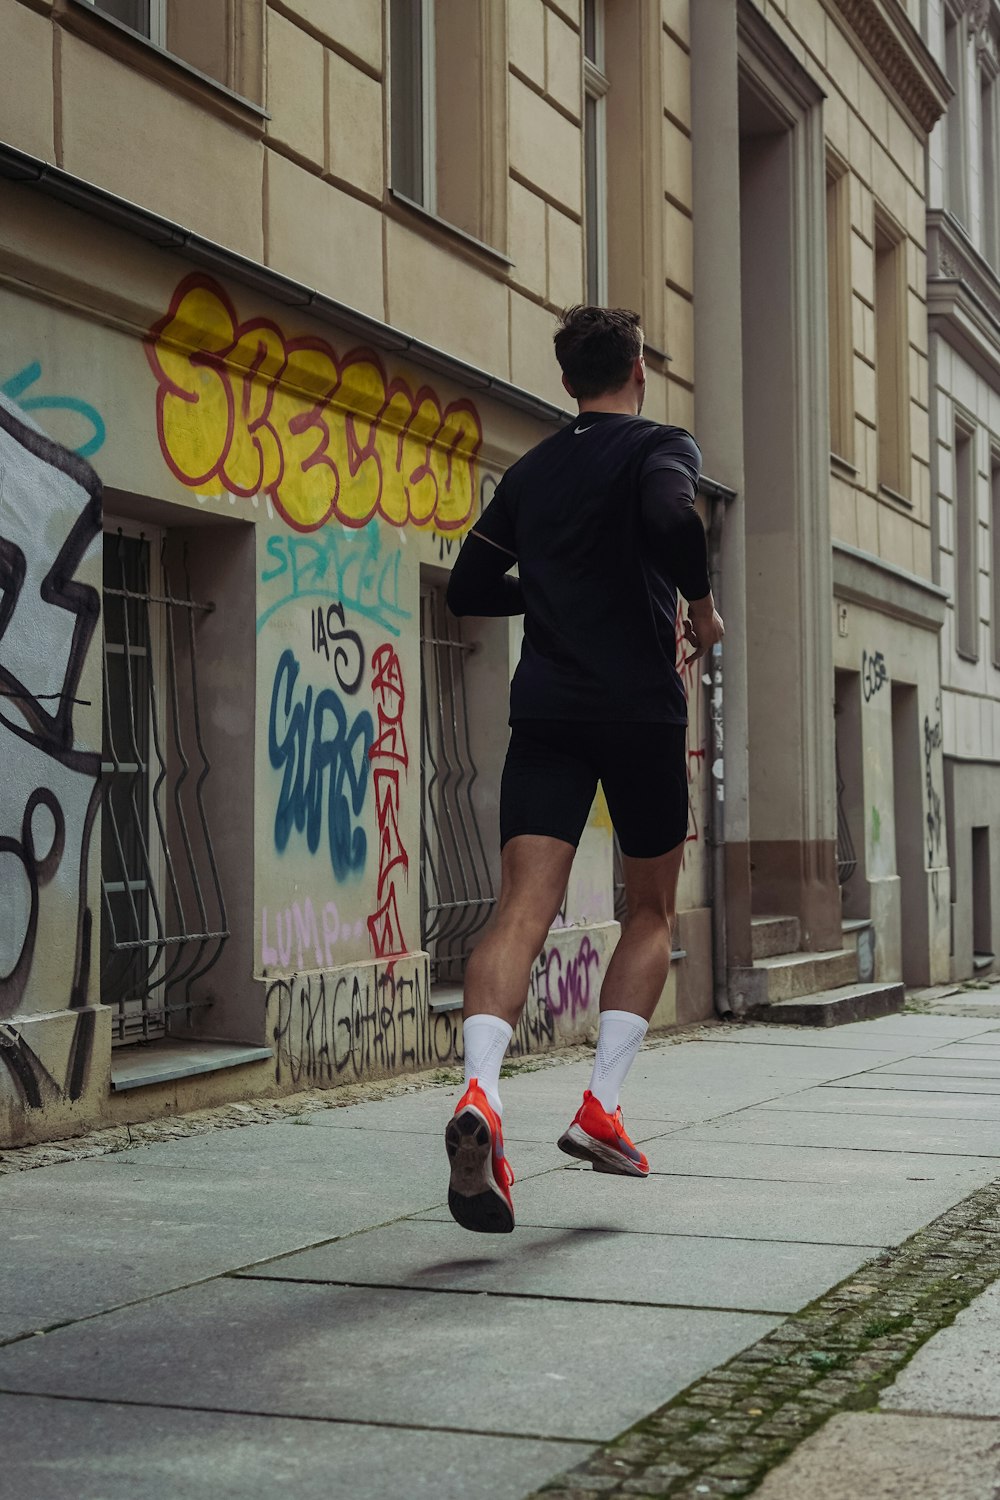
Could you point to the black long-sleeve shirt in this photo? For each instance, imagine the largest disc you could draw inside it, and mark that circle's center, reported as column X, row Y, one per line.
column 600, row 520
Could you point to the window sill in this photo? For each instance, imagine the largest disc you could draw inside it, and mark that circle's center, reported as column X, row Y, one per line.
column 406, row 209
column 972, row 657
column 86, row 21
column 843, row 466
column 885, row 493
column 148, row 1063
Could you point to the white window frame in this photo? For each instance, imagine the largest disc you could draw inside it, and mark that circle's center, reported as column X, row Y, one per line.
column 595, row 87
column 956, row 55
column 989, row 159
column 426, row 122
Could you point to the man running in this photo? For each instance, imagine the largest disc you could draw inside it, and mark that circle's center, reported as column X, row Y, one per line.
column 600, row 520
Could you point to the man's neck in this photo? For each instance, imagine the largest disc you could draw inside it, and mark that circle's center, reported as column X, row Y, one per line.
column 621, row 406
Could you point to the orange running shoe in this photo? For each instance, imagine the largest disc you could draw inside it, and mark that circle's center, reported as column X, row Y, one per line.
column 598, row 1137
column 479, row 1192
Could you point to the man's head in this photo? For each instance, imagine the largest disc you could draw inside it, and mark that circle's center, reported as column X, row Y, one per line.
column 599, row 350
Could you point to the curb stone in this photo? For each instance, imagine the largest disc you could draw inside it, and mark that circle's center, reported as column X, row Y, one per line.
column 721, row 1435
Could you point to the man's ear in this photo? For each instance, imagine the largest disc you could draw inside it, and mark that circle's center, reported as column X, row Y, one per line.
column 568, row 388
column 639, row 371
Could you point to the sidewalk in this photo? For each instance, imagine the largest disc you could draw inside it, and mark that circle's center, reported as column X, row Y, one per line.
column 290, row 1304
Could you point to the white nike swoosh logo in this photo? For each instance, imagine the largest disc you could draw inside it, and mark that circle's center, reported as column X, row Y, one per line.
column 577, row 431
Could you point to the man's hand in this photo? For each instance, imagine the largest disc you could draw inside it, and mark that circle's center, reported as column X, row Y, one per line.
column 703, row 627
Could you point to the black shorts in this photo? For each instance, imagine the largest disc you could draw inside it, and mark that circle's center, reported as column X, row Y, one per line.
column 553, row 766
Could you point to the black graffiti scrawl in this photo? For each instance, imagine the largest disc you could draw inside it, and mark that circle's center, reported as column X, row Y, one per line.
column 50, row 737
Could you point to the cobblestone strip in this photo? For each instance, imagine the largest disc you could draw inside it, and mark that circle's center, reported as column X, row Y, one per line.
column 722, row 1434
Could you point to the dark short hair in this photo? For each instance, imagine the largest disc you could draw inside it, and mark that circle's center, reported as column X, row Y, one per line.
column 596, row 348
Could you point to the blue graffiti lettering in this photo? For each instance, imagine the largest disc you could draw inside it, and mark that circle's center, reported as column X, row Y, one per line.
column 339, row 563
column 15, row 387
column 306, row 739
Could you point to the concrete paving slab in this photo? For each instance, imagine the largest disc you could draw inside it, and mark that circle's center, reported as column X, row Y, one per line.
column 958, row 1370
column 877, row 1211
column 682, row 1156
column 970, row 1049
column 890, row 1458
column 869, row 1133
column 880, row 1093
column 354, row 1354
column 917, row 1025
column 945, row 1067
column 989, row 1038
column 853, row 1037
column 982, row 1088
column 599, row 1264
column 80, row 1450
column 536, row 1120
column 88, row 1235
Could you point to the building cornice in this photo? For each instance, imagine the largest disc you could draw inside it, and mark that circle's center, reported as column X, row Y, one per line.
column 888, row 42
column 963, row 294
column 865, row 579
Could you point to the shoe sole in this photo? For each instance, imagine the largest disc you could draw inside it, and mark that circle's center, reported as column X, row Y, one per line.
column 474, row 1196
column 576, row 1142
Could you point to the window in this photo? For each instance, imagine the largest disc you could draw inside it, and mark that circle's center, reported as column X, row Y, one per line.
column 595, row 207
column 456, row 882
column 891, row 358
column 956, row 197
column 448, row 112
column 995, row 538
column 163, row 914
column 989, row 146
column 966, row 563
column 839, row 297
column 222, row 39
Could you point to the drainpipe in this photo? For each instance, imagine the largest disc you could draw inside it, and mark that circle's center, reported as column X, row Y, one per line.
column 718, row 496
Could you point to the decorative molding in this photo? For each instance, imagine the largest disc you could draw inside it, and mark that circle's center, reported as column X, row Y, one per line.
column 862, row 578
column 890, row 41
column 963, row 296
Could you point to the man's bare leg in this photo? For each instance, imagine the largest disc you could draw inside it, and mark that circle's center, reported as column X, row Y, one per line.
column 632, row 985
column 533, row 875
column 534, row 872
column 641, row 962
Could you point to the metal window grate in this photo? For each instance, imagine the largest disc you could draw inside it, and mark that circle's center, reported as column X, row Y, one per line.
column 164, row 912
column 456, row 887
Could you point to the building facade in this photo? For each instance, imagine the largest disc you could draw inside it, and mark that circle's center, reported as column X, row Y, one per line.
column 281, row 287
column 963, row 241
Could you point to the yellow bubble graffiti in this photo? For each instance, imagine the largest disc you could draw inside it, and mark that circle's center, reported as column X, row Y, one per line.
column 243, row 406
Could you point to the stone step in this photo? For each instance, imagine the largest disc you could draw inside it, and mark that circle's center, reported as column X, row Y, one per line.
column 774, row 935
column 835, row 1007
column 793, row 974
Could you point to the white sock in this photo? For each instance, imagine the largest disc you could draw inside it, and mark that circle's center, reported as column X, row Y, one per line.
column 486, row 1039
column 619, row 1038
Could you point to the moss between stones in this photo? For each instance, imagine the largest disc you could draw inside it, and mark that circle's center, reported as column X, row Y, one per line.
column 722, row 1435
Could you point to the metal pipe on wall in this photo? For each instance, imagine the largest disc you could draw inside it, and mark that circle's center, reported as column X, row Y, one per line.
column 719, row 496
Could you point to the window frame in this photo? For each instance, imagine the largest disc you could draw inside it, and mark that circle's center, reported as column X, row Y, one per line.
column 956, row 50
column 840, row 299
column 154, row 49
column 965, row 536
column 596, row 86
column 893, row 439
column 989, row 159
column 995, row 549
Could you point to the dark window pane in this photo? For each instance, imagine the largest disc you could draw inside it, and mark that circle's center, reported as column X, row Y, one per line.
column 134, row 13
column 406, row 82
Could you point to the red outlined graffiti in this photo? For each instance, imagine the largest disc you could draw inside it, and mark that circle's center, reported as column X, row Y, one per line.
column 242, row 407
column 690, row 673
column 389, row 761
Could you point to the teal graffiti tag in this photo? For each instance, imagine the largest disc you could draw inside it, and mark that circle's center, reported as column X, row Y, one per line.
column 15, row 387
column 339, row 563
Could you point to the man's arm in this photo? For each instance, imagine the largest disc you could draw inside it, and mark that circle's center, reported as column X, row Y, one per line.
column 666, row 495
column 479, row 584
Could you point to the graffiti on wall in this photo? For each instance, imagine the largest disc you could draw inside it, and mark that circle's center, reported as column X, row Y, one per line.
column 390, row 761
column 17, row 388
column 690, row 674
column 874, row 674
column 50, row 517
column 243, row 407
column 339, row 1027
column 357, row 569
column 935, row 820
column 321, row 753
